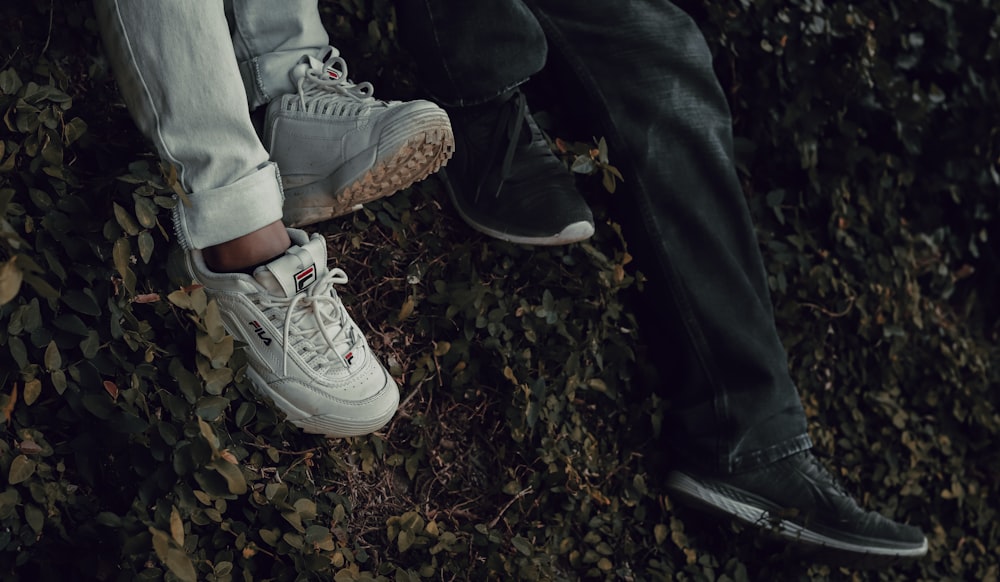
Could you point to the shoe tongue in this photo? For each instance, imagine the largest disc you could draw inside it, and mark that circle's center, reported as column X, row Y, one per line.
column 294, row 271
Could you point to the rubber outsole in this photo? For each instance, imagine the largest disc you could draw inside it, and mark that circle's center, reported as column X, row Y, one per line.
column 400, row 161
column 855, row 553
column 571, row 233
column 330, row 425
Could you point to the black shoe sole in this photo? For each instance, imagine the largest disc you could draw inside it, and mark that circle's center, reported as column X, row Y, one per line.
column 822, row 545
column 571, row 233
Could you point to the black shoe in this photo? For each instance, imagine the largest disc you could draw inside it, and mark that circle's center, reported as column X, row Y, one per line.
column 506, row 182
column 797, row 499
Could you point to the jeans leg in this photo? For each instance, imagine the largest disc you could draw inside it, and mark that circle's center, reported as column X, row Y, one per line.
column 269, row 39
column 646, row 74
column 177, row 72
column 472, row 51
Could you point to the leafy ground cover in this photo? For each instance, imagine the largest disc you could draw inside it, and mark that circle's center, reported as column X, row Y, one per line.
column 526, row 445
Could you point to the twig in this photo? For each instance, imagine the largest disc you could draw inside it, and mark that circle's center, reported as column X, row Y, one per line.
column 12, row 55
column 48, row 36
column 827, row 312
column 521, row 494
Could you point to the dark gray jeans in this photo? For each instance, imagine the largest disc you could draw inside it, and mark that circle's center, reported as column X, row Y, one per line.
column 646, row 76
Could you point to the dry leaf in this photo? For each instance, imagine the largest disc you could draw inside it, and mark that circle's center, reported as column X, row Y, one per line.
column 8, row 407
column 112, row 389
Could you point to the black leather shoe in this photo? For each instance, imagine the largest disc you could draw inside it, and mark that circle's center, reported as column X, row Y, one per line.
column 506, row 182
column 798, row 500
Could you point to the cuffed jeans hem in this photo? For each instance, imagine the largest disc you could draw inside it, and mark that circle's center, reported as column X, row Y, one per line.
column 250, row 72
column 265, row 79
column 772, row 454
column 445, row 101
column 224, row 214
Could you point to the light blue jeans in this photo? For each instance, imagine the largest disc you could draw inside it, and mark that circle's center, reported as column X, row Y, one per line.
column 190, row 76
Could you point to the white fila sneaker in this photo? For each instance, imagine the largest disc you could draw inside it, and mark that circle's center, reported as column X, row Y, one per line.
column 305, row 351
column 338, row 147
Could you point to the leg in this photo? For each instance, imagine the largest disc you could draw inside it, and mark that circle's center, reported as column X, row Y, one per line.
column 178, row 74
column 465, row 58
column 270, row 41
column 738, row 415
column 336, row 145
column 180, row 81
column 503, row 179
column 667, row 118
column 690, row 227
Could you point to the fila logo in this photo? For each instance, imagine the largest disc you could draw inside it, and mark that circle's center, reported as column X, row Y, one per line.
column 305, row 278
column 333, row 73
column 349, row 357
column 261, row 332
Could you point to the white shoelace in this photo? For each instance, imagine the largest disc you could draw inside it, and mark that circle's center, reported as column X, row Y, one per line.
column 327, row 313
column 318, row 83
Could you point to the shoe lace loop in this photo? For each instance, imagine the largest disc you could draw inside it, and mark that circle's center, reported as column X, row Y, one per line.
column 511, row 122
column 516, row 125
column 331, row 80
column 317, row 320
column 820, row 468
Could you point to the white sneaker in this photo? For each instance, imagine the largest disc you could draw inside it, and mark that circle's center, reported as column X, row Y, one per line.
column 305, row 351
column 338, row 147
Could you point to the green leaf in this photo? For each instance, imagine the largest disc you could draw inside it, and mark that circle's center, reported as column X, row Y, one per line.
column 73, row 130
column 18, row 351
column 125, row 220
column 41, row 286
column 211, row 407
column 11, row 278
column 180, row 565
column 306, row 508
column 122, row 253
column 270, row 536
column 90, row 345
column 145, row 211
column 583, row 165
column 294, row 519
column 217, row 379
column 35, row 517
column 32, row 389
column 660, row 533
column 208, row 434
column 176, row 526
column 213, row 322
column 522, row 545
column 405, row 540
column 21, row 468
column 58, row 379
column 245, row 413
column 232, row 474
column 10, row 82
column 53, row 359
column 180, row 299
column 81, row 301
column 146, row 245
column 161, row 543
column 100, row 405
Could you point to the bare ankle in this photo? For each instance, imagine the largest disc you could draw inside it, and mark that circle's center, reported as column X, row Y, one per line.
column 249, row 250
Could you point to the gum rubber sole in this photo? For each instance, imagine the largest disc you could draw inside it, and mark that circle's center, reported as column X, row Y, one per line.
column 404, row 161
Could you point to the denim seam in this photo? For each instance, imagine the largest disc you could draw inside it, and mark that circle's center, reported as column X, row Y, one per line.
column 156, row 129
column 262, row 96
column 756, row 459
column 265, row 97
column 463, row 102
